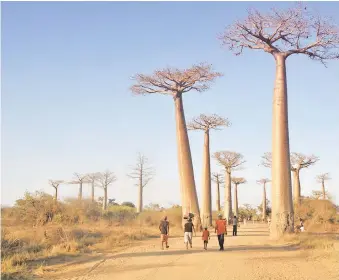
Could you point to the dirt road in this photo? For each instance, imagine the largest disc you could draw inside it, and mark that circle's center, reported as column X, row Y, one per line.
column 248, row 256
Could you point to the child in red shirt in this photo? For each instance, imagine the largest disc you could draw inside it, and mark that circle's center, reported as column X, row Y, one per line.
column 205, row 237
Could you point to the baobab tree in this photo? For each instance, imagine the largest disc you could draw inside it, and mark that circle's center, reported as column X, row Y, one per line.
column 219, row 180
column 321, row 179
column 55, row 184
column 237, row 181
column 263, row 182
column 298, row 162
column 92, row 178
column 175, row 82
column 230, row 161
column 79, row 179
column 206, row 124
column 142, row 173
column 283, row 33
column 104, row 180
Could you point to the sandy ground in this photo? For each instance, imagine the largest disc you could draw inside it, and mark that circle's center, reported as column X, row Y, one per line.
column 249, row 256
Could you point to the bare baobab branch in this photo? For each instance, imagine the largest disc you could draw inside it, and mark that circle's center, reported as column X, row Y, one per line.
column 206, row 123
column 266, row 160
column 238, row 180
column 323, row 177
column 79, row 179
column 230, row 160
column 218, row 178
column 291, row 31
column 263, row 181
column 300, row 161
column 92, row 178
column 174, row 81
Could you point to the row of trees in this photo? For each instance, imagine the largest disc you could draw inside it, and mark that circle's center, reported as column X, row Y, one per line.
column 142, row 172
column 281, row 34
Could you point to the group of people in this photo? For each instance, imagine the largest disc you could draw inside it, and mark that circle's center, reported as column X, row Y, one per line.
column 220, row 229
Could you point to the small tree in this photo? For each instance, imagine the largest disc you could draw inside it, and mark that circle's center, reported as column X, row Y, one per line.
column 263, row 182
column 55, row 184
column 321, row 179
column 237, row 181
column 218, row 178
column 298, row 162
column 142, row 173
column 207, row 123
column 104, row 180
column 128, row 204
column 230, row 161
column 283, row 33
column 92, row 178
column 175, row 82
column 267, row 207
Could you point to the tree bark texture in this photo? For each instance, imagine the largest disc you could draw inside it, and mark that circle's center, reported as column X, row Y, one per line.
column 282, row 206
column 80, row 191
column 218, row 197
column 323, row 189
column 104, row 202
column 264, row 203
column 56, row 194
column 206, row 184
column 228, row 196
column 236, row 212
column 296, row 187
column 92, row 195
column 139, row 206
column 189, row 196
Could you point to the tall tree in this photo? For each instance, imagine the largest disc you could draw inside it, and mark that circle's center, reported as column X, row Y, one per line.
column 237, row 181
column 219, row 180
column 175, row 82
column 298, row 162
column 230, row 161
column 283, row 33
column 143, row 173
column 321, row 179
column 79, row 179
column 104, row 180
column 207, row 123
column 55, row 184
column 263, row 182
column 92, row 178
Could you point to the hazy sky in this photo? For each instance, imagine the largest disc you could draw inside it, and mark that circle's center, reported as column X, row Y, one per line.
column 66, row 104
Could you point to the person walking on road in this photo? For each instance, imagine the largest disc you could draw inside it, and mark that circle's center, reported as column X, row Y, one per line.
column 235, row 225
column 164, row 230
column 205, row 237
column 188, row 234
column 220, row 229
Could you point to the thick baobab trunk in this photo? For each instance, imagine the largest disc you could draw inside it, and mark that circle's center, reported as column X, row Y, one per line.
column 104, row 202
column 218, row 197
column 264, row 203
column 92, row 195
column 189, row 196
column 296, row 187
column 56, row 194
column 236, row 212
column 323, row 188
column 139, row 206
column 282, row 206
column 80, row 192
column 206, row 211
column 228, row 196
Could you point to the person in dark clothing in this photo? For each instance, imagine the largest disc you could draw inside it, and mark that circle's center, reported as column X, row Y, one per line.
column 164, row 230
column 188, row 233
column 235, row 225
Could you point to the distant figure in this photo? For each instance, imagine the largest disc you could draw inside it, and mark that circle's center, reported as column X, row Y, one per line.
column 188, row 234
column 235, row 225
column 205, row 237
column 220, row 229
column 164, row 230
column 301, row 225
column 269, row 221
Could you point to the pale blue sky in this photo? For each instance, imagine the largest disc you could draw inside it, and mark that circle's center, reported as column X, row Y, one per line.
column 66, row 104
